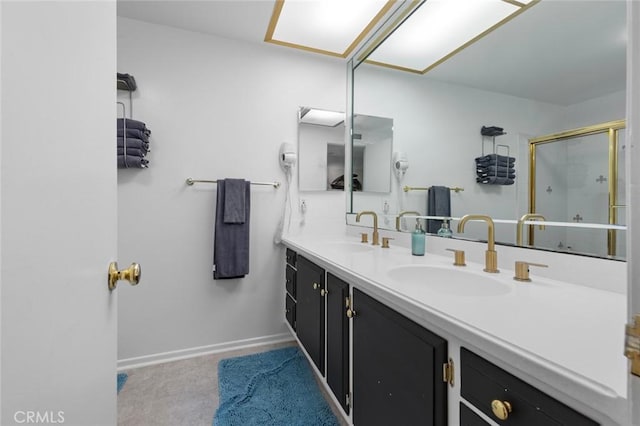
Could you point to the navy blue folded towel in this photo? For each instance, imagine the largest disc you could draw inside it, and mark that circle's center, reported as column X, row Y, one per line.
column 133, row 133
column 231, row 240
column 132, row 151
column 134, row 124
column 132, row 162
column 438, row 204
column 496, row 157
column 493, row 180
column 510, row 175
column 494, row 169
column 485, row 163
column 133, row 143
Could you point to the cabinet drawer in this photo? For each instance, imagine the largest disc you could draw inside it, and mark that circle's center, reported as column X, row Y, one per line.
column 291, row 257
column 290, row 311
column 290, row 281
column 484, row 382
column 469, row 418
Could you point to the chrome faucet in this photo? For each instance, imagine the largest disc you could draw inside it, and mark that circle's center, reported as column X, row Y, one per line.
column 491, row 256
column 525, row 217
column 375, row 237
column 402, row 214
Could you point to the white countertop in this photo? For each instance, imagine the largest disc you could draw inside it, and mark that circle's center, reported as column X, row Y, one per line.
column 567, row 335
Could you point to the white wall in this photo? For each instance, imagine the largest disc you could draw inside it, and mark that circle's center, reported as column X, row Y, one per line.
column 217, row 108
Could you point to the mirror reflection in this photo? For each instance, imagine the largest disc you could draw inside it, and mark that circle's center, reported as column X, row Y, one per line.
column 558, row 65
column 322, row 154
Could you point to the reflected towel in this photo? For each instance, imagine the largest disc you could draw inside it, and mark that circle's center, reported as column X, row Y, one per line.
column 234, row 201
column 494, row 169
column 492, row 180
column 496, row 157
column 231, row 240
column 438, row 204
column 486, row 163
column 494, row 174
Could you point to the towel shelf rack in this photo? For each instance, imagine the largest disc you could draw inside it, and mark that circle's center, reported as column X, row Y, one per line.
column 190, row 182
column 426, row 188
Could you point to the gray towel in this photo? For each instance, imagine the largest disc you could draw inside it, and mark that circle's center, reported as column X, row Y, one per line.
column 133, row 162
column 132, row 151
column 133, row 143
column 495, row 169
column 231, row 240
column 438, row 204
column 134, row 133
column 234, row 201
column 133, row 124
column 492, row 180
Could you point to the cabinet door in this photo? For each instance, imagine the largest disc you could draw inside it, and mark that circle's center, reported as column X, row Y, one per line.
column 337, row 339
column 397, row 368
column 310, row 310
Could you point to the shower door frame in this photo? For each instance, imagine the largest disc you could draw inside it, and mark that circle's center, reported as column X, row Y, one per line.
column 612, row 128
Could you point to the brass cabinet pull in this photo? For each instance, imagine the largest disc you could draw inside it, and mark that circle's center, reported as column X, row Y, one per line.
column 315, row 286
column 351, row 313
column 501, row 409
column 324, row 292
column 131, row 274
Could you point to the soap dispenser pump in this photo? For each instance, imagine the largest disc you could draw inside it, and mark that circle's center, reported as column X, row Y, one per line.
column 445, row 231
column 417, row 240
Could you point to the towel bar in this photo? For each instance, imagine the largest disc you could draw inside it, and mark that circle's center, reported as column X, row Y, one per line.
column 418, row 188
column 190, row 182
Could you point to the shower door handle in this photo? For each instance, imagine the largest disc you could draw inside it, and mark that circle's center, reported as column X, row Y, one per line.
column 131, row 274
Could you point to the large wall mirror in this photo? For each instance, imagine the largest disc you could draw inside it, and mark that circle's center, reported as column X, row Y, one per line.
column 321, row 135
column 553, row 66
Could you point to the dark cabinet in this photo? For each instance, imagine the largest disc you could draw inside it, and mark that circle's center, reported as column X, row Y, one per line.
column 290, row 286
column 487, row 386
column 310, row 309
column 397, row 368
column 469, row 418
column 338, row 339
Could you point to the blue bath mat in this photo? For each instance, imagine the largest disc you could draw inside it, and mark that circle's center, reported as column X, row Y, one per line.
column 122, row 379
column 270, row 388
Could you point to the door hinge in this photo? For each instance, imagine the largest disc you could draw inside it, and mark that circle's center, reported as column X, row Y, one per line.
column 347, row 399
column 448, row 372
column 632, row 345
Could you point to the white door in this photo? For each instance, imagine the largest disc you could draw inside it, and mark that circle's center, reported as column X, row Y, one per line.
column 58, row 212
column 633, row 177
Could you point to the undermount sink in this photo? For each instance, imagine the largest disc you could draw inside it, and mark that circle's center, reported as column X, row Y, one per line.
column 348, row 246
column 447, row 280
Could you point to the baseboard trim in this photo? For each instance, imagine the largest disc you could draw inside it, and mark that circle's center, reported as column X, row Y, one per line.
column 159, row 358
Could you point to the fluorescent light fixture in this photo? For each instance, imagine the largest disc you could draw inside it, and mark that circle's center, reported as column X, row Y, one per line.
column 332, row 27
column 440, row 28
column 321, row 117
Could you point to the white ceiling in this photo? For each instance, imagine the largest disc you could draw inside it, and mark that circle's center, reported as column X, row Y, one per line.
column 559, row 51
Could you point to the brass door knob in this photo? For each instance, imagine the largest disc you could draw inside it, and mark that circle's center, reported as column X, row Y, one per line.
column 315, row 286
column 501, row 409
column 131, row 274
column 324, row 292
column 351, row 313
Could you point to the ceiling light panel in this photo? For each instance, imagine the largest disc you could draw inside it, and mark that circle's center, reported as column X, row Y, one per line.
column 321, row 117
column 329, row 26
column 439, row 28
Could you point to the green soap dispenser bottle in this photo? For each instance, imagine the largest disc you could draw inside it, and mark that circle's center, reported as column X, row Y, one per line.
column 417, row 240
column 444, row 230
